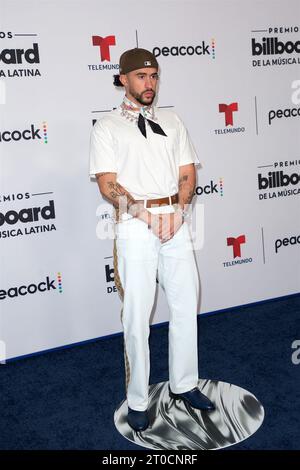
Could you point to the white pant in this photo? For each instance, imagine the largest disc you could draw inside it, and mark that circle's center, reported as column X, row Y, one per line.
column 141, row 256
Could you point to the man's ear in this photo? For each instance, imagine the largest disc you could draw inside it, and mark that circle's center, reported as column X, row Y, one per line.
column 123, row 79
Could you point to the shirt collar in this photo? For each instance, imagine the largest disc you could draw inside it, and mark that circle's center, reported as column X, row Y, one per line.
column 146, row 111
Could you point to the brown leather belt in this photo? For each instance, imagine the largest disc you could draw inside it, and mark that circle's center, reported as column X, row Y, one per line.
column 163, row 201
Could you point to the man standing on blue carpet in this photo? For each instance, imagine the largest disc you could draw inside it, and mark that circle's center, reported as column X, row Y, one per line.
column 144, row 163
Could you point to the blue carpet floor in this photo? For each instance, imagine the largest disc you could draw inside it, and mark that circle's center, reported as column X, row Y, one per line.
column 65, row 399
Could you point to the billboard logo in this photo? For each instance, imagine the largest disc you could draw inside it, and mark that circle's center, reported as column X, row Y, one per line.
column 32, row 214
column 274, row 50
column 272, row 46
column 277, row 179
column 18, row 56
column 19, row 62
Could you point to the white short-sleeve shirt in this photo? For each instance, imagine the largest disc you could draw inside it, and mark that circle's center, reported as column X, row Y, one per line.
column 148, row 168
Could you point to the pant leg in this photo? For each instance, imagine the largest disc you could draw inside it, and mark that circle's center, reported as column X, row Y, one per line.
column 177, row 271
column 137, row 265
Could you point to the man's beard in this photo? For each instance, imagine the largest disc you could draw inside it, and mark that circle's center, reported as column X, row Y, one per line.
column 140, row 99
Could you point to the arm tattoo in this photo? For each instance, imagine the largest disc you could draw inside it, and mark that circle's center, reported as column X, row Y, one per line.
column 119, row 197
column 116, row 190
column 181, row 180
column 185, row 189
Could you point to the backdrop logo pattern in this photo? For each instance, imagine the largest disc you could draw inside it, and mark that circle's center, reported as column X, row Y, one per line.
column 18, row 62
column 103, row 44
column 30, row 133
column 275, row 46
column 243, row 120
column 45, row 286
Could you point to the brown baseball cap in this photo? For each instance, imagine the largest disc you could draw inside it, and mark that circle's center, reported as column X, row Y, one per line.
column 136, row 58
